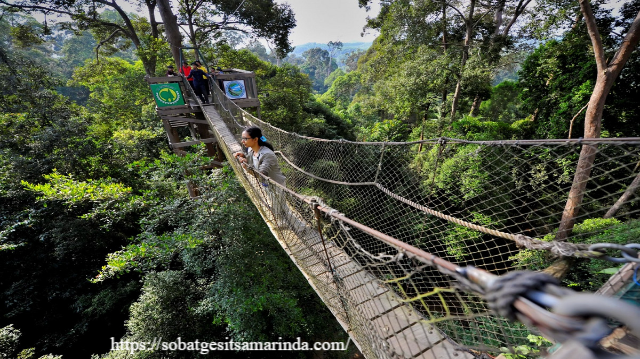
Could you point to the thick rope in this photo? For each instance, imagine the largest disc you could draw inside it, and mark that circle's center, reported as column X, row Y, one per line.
column 564, row 249
column 320, row 178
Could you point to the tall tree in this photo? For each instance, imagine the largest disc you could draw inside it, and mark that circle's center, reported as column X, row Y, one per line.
column 607, row 74
column 316, row 60
column 206, row 20
column 334, row 47
column 85, row 14
column 428, row 23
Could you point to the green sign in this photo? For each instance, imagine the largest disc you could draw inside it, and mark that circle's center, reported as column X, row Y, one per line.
column 167, row 94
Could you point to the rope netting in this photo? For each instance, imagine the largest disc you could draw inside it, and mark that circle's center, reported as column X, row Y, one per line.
column 355, row 216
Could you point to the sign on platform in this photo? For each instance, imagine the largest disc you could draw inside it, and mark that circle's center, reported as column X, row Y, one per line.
column 235, row 89
column 167, row 94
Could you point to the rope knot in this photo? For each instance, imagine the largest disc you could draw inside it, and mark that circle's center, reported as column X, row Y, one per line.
column 503, row 292
column 521, row 240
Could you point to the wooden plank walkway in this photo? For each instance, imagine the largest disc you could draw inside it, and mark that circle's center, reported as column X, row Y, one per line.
column 376, row 319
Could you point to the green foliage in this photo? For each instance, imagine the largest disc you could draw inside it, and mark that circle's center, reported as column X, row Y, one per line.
column 65, row 188
column 27, row 34
column 318, row 64
column 526, row 351
column 9, row 339
column 328, row 81
column 504, row 105
column 585, row 274
column 118, row 94
column 150, row 251
column 342, row 90
column 388, row 130
column 458, row 237
column 477, row 129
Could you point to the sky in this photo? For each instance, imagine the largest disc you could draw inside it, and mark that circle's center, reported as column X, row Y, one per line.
column 330, row 20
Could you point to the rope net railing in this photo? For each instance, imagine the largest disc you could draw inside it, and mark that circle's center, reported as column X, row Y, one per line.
column 491, row 205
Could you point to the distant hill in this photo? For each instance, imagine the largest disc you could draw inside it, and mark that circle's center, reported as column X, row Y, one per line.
column 346, row 47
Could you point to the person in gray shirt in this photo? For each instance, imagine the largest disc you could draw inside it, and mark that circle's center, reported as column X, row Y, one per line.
column 260, row 156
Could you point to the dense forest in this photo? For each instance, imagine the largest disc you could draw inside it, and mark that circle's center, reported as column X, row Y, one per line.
column 98, row 236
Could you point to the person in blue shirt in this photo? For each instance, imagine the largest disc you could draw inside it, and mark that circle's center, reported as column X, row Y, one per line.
column 199, row 83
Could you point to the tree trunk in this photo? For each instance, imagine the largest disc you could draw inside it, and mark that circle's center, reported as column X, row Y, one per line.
column 153, row 59
column 444, row 47
column 444, row 27
column 574, row 118
column 497, row 19
column 465, row 56
column 149, row 66
column 171, row 29
column 624, row 198
column 151, row 7
column 192, row 31
column 476, row 106
column 607, row 74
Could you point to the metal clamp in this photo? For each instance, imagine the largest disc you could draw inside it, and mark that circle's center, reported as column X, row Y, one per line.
column 628, row 252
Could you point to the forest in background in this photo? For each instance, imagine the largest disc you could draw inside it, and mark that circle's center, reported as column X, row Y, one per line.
column 87, row 179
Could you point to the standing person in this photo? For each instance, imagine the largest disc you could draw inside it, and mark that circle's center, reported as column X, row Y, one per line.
column 206, row 77
column 199, row 86
column 186, row 71
column 170, row 71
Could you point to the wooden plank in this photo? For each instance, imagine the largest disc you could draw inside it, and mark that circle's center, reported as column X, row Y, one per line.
column 222, row 130
column 175, row 124
column 414, row 340
column 618, row 280
column 367, row 291
column 621, row 341
column 342, row 259
column 377, row 306
column 347, row 269
column 303, row 252
column 156, row 80
column 445, row 350
column 184, row 119
column 358, row 279
column 395, row 321
column 173, row 107
column 249, row 102
column 191, row 143
column 177, row 111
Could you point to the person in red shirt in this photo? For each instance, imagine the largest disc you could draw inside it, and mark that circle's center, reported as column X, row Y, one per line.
column 186, row 70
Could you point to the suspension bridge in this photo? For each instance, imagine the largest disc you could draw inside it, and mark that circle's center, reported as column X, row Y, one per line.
column 408, row 243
